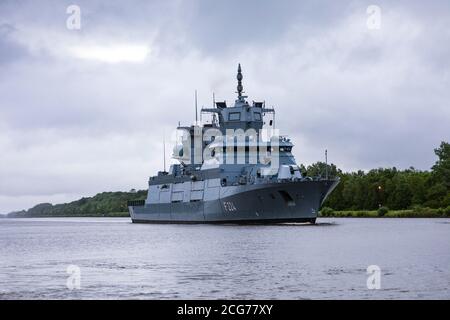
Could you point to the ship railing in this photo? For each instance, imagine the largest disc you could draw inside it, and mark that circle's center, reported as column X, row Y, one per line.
column 135, row 203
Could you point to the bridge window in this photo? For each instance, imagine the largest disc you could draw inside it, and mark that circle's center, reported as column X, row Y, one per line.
column 234, row 116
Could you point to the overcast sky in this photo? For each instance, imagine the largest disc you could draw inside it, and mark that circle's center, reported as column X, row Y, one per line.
column 84, row 111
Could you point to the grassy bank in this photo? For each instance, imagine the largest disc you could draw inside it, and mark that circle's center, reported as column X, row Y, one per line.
column 383, row 212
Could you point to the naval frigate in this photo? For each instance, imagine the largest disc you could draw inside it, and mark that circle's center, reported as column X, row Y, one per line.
column 234, row 169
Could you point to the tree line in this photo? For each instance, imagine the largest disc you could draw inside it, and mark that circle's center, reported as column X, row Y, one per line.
column 102, row 204
column 389, row 187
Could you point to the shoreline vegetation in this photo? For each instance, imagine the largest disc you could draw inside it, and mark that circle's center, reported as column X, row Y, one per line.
column 383, row 212
column 105, row 204
column 382, row 192
column 420, row 212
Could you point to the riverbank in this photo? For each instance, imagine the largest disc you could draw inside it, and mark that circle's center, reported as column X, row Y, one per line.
column 105, row 204
column 410, row 213
column 88, row 215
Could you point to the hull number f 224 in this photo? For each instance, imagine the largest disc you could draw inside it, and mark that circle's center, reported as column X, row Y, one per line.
column 229, row 206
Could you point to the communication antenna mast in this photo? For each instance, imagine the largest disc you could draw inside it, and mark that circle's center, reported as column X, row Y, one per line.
column 240, row 88
column 196, row 113
column 164, row 150
column 326, row 164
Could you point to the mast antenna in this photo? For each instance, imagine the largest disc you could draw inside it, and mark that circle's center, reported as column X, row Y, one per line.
column 239, row 78
column 196, row 113
column 164, row 150
column 326, row 164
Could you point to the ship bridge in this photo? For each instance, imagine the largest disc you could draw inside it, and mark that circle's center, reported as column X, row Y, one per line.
column 207, row 146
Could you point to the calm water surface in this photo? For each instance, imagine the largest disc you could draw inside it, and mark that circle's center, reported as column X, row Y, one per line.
column 118, row 259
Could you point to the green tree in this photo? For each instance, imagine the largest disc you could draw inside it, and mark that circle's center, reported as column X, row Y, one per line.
column 439, row 182
column 319, row 169
column 441, row 169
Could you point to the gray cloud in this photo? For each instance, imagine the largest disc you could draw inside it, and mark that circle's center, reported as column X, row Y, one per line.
column 74, row 125
column 10, row 50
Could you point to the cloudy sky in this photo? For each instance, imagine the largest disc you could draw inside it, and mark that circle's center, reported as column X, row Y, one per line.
column 84, row 110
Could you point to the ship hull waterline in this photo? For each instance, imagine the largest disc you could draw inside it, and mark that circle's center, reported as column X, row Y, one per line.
column 282, row 202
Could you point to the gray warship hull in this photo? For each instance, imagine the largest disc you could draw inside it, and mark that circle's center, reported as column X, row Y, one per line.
column 293, row 201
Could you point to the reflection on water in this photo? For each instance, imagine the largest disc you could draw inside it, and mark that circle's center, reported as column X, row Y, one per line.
column 118, row 259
